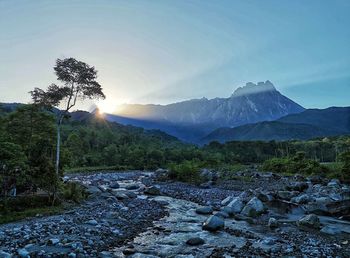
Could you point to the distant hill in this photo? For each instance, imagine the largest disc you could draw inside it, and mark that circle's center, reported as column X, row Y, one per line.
column 193, row 119
column 306, row 125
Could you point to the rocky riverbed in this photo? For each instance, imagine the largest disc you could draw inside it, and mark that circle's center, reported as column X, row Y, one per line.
column 133, row 214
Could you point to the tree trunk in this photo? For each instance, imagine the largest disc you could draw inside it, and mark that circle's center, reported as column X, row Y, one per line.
column 58, row 145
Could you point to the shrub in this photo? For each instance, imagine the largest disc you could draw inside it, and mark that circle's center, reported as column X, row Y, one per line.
column 187, row 171
column 295, row 164
column 74, row 192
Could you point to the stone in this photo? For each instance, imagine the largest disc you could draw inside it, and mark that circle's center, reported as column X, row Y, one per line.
column 298, row 186
column 72, row 255
column 222, row 214
column 204, row 210
column 5, row 255
column 23, row 253
column 334, row 183
column 114, row 185
column 330, row 230
column 213, row 223
column 54, row 241
column 273, row 223
column 227, row 200
column 253, row 208
column 302, row 199
column 230, row 211
column 91, row 222
column 195, row 241
column 129, row 251
column 132, row 187
column 152, row 190
column 310, row 220
column 236, row 205
column 285, row 195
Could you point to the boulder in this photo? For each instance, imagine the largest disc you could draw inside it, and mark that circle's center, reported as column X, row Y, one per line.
column 273, row 223
column 195, row 241
column 152, row 190
column 227, row 200
column 222, row 214
column 114, row 185
column 286, row 195
column 23, row 253
column 334, row 183
column 236, row 205
column 253, row 208
column 213, row 223
column 204, row 210
column 132, row 187
column 228, row 210
column 310, row 220
column 302, row 199
column 5, row 255
column 92, row 222
column 298, row 186
column 331, row 230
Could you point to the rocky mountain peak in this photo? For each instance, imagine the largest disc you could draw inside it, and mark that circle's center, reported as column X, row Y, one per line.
column 252, row 88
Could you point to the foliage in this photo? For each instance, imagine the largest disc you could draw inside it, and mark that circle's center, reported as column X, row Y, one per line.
column 78, row 83
column 74, row 192
column 345, row 167
column 187, row 171
column 296, row 164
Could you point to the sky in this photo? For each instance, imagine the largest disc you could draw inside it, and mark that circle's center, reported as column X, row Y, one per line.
column 164, row 51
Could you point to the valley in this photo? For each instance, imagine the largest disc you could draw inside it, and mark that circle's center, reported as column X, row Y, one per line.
column 138, row 214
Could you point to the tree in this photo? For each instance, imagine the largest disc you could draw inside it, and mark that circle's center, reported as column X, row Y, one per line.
column 78, row 83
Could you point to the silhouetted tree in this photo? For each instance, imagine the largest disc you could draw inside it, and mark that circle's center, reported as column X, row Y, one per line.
column 78, row 83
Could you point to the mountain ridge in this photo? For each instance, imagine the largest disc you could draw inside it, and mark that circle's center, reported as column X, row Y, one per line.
column 248, row 104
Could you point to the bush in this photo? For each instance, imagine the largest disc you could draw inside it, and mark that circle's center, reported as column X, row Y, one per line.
column 187, row 171
column 74, row 192
column 296, row 164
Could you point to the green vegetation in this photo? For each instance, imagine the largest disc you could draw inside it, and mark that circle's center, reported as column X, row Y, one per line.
column 186, row 171
column 295, row 164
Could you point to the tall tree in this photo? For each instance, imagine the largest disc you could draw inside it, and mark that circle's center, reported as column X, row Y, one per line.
column 78, row 83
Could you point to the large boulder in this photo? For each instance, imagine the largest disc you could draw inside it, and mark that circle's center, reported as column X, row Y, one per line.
column 253, row 208
column 236, row 205
column 213, row 223
column 310, row 221
column 152, row 190
column 298, row 186
column 227, row 200
column 204, row 210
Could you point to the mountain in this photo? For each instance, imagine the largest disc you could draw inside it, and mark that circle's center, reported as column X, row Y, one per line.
column 308, row 124
column 193, row 119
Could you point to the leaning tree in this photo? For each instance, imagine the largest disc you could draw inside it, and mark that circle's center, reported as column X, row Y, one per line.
column 78, row 82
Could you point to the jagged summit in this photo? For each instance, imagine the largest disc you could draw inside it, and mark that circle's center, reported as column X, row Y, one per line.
column 252, row 88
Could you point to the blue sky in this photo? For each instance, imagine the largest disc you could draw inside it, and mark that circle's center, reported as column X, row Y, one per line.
column 167, row 51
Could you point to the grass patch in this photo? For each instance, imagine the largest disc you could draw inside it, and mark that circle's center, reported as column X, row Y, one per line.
column 95, row 169
column 28, row 213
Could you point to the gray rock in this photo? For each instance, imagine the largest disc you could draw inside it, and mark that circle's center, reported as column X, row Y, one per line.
column 55, row 241
column 114, row 185
column 227, row 200
column 204, row 210
column 222, row 214
column 23, row 253
column 310, row 220
column 152, row 190
column 236, row 205
column 302, row 199
column 195, row 241
column 334, row 183
column 5, row 255
column 230, row 211
column 286, row 195
column 213, row 223
column 92, row 222
column 273, row 223
column 330, row 230
column 132, row 187
column 253, row 208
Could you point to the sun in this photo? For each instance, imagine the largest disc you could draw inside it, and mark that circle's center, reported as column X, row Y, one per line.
column 105, row 107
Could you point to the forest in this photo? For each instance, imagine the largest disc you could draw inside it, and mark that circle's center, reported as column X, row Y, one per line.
column 28, row 141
